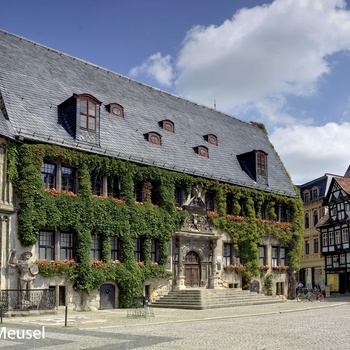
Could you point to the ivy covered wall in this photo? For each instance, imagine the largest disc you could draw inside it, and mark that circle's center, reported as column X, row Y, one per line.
column 86, row 214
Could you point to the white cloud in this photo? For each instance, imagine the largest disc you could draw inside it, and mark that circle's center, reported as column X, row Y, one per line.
column 254, row 63
column 312, row 151
column 267, row 51
column 156, row 67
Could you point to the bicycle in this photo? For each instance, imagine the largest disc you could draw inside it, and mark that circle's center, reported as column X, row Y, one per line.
column 318, row 295
column 306, row 294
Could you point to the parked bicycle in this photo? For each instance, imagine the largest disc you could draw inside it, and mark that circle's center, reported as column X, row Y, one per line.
column 306, row 294
column 318, row 295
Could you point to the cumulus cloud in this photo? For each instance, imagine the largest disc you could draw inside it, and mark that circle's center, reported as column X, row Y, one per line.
column 267, row 51
column 312, row 151
column 156, row 67
column 255, row 63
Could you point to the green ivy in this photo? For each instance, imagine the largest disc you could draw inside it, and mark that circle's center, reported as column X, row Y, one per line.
column 88, row 215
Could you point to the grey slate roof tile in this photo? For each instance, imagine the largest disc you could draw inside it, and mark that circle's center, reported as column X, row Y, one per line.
column 35, row 80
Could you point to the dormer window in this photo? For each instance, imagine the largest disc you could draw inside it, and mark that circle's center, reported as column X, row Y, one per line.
column 89, row 110
column 212, row 139
column 261, row 163
column 154, row 138
column 203, row 151
column 116, row 110
column 254, row 163
column 167, row 125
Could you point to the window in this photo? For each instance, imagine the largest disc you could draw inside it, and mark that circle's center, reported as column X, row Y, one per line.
column 137, row 250
column 314, row 193
column 66, row 245
column 168, row 125
column 274, row 256
column 89, row 107
column 115, row 248
column 262, row 259
column 337, row 237
column 331, row 238
column 261, row 163
column 335, row 261
column 315, row 245
column 325, row 239
column 203, row 151
column 283, row 256
column 264, row 212
column 96, row 247
column 179, row 196
column 97, row 187
column 342, row 259
column 210, row 200
column 329, row 260
column 345, row 234
column 306, row 196
column 48, row 175
column 212, row 139
column 307, row 247
column 315, row 217
column 47, row 245
column 113, row 188
column 284, row 214
column 227, row 254
column 139, row 191
column 68, row 179
column 155, row 251
column 307, row 221
column 154, row 138
column 116, row 110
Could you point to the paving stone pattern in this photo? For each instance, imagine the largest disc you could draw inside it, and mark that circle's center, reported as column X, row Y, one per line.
column 290, row 325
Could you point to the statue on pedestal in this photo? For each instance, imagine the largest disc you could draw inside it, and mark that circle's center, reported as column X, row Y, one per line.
column 27, row 269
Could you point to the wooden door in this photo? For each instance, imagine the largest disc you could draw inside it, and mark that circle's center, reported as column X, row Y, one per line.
column 107, row 296
column 192, row 270
column 192, row 276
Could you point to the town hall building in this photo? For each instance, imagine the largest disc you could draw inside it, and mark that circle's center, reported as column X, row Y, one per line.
column 111, row 189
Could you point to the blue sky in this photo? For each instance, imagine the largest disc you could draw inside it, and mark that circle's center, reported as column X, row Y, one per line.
column 284, row 63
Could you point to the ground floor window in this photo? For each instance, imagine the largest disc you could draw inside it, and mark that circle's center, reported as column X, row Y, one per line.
column 47, row 245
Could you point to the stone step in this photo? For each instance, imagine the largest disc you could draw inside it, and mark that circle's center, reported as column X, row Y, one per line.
column 197, row 299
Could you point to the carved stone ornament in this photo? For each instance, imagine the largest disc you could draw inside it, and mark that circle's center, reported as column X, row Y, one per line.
column 198, row 223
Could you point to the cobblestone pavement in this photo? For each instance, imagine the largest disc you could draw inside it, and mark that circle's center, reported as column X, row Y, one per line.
column 289, row 325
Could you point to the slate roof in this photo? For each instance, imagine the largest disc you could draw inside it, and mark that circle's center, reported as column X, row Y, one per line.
column 35, row 79
column 322, row 183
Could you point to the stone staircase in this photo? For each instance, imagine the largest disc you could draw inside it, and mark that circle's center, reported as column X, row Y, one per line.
column 200, row 299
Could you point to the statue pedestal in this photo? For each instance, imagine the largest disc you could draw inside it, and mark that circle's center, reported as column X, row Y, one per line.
column 179, row 283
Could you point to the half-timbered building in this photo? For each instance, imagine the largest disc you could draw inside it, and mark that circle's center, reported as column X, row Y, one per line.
column 334, row 229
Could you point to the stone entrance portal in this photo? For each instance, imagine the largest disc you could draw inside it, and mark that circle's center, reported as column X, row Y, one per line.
column 192, row 270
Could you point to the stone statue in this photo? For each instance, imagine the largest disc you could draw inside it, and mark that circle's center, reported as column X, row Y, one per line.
column 27, row 269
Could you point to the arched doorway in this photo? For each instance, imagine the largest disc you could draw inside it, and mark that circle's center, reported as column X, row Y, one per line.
column 107, row 296
column 192, row 270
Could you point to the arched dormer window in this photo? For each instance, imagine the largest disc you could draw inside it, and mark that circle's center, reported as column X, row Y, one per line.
column 202, row 151
column 212, row 139
column 116, row 110
column 154, row 138
column 89, row 111
column 168, row 125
